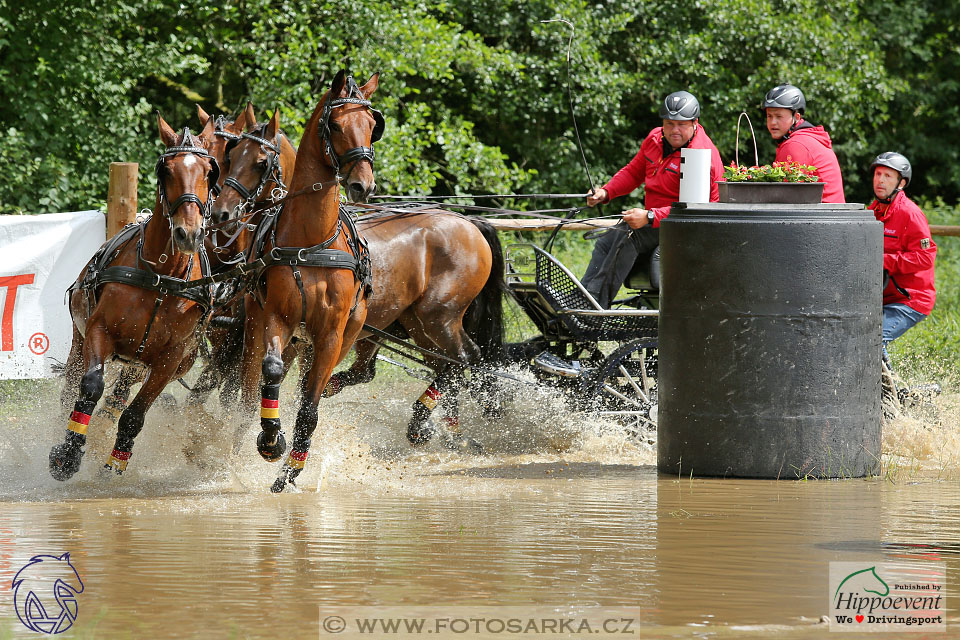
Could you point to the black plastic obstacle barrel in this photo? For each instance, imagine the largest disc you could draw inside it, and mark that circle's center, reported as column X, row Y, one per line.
column 769, row 348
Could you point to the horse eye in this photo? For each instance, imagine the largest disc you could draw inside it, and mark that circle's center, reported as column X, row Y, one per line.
column 335, row 127
column 262, row 163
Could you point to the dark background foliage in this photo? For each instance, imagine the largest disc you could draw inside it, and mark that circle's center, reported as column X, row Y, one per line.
column 474, row 91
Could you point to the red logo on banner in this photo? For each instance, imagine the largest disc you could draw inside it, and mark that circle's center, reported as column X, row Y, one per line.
column 39, row 343
column 6, row 323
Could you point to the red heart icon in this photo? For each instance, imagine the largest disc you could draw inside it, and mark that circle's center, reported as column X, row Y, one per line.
column 859, row 618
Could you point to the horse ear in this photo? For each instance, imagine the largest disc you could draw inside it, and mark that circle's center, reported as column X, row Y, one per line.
column 371, row 85
column 237, row 125
column 203, row 115
column 273, row 125
column 167, row 135
column 339, row 82
column 207, row 132
column 251, row 117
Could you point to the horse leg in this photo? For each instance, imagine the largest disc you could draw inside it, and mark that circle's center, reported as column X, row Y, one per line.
column 131, row 420
column 65, row 457
column 73, row 371
column 418, row 431
column 453, row 341
column 116, row 403
column 363, row 369
column 313, row 383
column 454, row 439
column 271, row 443
column 208, row 380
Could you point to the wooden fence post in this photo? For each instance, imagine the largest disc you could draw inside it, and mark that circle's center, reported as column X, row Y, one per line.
column 122, row 197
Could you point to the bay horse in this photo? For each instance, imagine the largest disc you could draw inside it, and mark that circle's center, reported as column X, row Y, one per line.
column 225, row 134
column 256, row 165
column 438, row 276
column 313, row 273
column 133, row 301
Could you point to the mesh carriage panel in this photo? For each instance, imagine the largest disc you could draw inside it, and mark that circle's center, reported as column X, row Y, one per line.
column 565, row 293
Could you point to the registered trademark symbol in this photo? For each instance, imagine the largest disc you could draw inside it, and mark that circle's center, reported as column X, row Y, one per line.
column 39, row 343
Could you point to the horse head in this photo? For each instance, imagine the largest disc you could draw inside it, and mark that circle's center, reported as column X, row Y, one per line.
column 187, row 174
column 255, row 169
column 226, row 135
column 349, row 126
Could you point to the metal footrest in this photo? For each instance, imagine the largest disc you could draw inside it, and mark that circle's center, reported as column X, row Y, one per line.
column 556, row 365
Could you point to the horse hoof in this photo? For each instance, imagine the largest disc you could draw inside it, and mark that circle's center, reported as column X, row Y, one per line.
column 271, row 452
column 107, row 472
column 278, row 485
column 462, row 444
column 334, row 386
column 419, row 434
column 64, row 461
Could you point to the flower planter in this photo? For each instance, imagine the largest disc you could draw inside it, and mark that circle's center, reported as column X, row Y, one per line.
column 771, row 192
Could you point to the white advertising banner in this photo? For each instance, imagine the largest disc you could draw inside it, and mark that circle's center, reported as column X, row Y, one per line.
column 40, row 256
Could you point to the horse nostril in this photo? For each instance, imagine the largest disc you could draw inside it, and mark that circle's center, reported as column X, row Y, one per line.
column 180, row 235
column 357, row 192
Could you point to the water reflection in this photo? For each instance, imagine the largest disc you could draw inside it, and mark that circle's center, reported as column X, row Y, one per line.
column 741, row 556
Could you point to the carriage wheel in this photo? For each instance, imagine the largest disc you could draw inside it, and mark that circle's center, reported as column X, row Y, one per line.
column 625, row 387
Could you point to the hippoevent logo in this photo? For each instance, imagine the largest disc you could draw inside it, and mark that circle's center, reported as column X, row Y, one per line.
column 888, row 596
column 45, row 594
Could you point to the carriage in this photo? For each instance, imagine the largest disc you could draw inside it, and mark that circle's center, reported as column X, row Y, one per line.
column 605, row 358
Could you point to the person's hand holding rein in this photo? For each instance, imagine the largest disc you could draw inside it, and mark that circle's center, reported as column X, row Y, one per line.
column 597, row 197
column 636, row 218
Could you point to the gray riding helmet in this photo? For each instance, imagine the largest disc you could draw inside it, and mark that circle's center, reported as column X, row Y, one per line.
column 785, row 96
column 680, row 105
column 896, row 161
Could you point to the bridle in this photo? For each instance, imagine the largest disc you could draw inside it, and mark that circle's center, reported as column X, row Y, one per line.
column 273, row 171
column 170, row 208
column 356, row 154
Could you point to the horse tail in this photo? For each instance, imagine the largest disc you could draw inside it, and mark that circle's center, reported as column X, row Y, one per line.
column 483, row 320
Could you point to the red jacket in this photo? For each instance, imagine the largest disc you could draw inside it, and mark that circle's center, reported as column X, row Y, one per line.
column 812, row 145
column 908, row 253
column 662, row 175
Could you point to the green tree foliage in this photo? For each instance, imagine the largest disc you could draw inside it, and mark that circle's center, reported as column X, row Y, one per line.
column 474, row 91
column 920, row 44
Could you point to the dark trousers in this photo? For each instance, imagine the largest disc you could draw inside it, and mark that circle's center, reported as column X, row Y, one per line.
column 613, row 257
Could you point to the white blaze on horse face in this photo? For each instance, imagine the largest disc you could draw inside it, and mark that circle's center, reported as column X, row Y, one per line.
column 188, row 229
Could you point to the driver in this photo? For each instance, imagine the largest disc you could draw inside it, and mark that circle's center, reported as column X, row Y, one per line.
column 908, row 250
column 657, row 167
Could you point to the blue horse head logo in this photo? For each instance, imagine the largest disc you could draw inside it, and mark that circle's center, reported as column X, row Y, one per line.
column 45, row 594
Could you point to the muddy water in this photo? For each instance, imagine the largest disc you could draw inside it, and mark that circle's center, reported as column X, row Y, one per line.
column 563, row 514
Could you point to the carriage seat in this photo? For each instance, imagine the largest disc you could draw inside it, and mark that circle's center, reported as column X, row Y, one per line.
column 645, row 275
